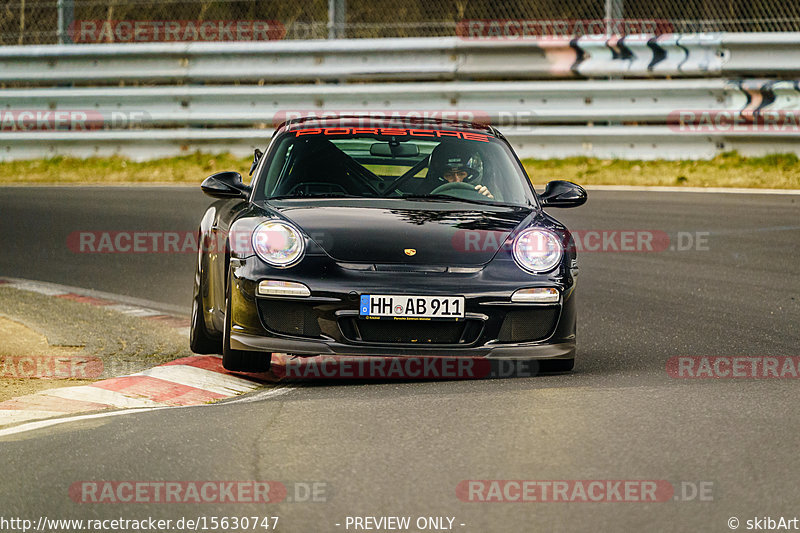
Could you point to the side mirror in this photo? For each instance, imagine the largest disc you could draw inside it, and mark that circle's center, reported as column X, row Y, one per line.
column 563, row 194
column 225, row 185
column 256, row 158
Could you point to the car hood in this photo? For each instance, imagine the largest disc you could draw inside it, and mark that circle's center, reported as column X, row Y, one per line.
column 385, row 231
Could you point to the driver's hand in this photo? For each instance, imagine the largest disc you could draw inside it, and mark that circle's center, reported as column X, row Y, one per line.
column 484, row 191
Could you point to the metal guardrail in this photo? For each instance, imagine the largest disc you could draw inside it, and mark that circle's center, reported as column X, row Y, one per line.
column 501, row 103
column 404, row 59
column 541, row 142
column 625, row 118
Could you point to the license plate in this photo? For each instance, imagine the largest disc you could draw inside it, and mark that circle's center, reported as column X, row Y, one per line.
column 411, row 307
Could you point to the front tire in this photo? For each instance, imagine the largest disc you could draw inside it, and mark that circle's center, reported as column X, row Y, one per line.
column 200, row 340
column 240, row 360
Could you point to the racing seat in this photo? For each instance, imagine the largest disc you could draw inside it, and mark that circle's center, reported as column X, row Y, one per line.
column 319, row 168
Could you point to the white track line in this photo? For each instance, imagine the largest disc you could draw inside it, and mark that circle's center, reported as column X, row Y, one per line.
column 39, row 424
column 201, row 378
column 130, row 185
column 55, row 289
column 14, row 416
column 134, row 311
column 87, row 393
column 32, row 286
column 222, row 384
column 55, row 421
column 660, row 188
column 260, row 395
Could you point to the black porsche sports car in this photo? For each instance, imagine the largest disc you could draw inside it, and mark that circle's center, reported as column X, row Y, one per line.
column 399, row 237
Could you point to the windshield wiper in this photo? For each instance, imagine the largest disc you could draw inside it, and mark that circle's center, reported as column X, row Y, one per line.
column 306, row 197
column 443, row 197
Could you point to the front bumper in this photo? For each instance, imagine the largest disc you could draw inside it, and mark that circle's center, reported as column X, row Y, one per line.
column 327, row 322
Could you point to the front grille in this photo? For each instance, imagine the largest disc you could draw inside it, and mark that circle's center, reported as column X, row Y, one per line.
column 528, row 325
column 289, row 318
column 426, row 269
column 410, row 332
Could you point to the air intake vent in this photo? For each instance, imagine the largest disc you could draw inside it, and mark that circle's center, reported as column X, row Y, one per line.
column 412, row 332
column 289, row 318
column 411, row 268
column 528, row 325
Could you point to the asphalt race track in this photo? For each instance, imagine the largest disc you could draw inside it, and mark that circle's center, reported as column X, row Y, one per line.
column 402, row 448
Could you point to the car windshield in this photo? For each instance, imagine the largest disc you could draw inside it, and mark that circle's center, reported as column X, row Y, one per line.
column 392, row 163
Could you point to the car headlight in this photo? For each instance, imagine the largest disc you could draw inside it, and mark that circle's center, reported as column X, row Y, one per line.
column 537, row 250
column 278, row 243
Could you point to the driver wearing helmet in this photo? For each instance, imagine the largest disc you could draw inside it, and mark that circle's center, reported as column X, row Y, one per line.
column 451, row 165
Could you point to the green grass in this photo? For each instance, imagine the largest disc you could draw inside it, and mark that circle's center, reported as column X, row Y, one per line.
column 781, row 171
column 726, row 170
column 184, row 169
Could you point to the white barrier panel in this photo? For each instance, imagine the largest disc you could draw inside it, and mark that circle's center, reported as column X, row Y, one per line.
column 501, row 103
column 413, row 59
column 607, row 142
column 197, row 106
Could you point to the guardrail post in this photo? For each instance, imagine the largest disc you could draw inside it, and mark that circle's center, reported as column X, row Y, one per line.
column 66, row 16
column 613, row 14
column 336, row 18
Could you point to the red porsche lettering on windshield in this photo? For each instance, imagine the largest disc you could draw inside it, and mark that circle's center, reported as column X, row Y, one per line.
column 393, row 131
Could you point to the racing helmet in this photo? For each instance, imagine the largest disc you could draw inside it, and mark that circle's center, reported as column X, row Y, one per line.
column 450, row 157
